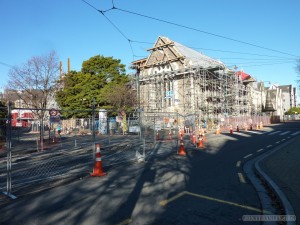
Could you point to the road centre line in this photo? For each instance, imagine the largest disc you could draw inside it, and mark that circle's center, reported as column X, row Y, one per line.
column 165, row 202
column 259, row 150
column 277, row 142
column 241, row 177
column 269, row 146
column 247, row 156
column 283, row 139
column 238, row 163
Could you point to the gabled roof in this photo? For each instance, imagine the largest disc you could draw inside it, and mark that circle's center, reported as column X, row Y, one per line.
column 166, row 50
column 245, row 77
column 196, row 58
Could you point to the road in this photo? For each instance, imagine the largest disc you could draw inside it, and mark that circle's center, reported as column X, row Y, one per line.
column 208, row 186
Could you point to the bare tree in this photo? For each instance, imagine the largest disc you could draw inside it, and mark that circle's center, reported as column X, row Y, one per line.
column 34, row 82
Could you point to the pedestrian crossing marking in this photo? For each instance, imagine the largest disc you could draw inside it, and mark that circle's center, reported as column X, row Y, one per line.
column 255, row 132
column 298, row 132
column 285, row 133
column 242, row 134
column 275, row 132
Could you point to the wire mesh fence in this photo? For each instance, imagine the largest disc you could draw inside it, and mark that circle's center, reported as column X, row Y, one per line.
column 52, row 149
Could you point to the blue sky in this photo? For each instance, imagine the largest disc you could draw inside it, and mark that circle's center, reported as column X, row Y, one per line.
column 77, row 31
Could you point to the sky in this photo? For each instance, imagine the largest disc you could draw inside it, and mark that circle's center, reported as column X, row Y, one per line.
column 259, row 37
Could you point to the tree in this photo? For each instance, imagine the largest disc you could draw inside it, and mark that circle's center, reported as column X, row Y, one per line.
column 293, row 110
column 34, row 82
column 99, row 78
column 119, row 95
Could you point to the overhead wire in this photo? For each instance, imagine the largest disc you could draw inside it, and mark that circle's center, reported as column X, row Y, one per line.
column 114, row 25
column 191, row 28
column 5, row 64
column 205, row 32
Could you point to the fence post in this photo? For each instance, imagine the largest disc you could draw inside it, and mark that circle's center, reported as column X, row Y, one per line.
column 154, row 134
column 144, row 147
column 8, row 144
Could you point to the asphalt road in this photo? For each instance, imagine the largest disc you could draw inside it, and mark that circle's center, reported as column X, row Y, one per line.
column 207, row 186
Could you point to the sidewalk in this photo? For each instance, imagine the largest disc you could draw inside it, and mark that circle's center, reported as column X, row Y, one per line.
column 283, row 167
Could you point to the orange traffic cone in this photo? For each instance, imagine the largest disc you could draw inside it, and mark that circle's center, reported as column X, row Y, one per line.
column 261, row 125
column 257, row 127
column 200, row 142
column 157, row 135
column 181, row 148
column 194, row 139
column 218, row 130
column 98, row 172
column 230, row 129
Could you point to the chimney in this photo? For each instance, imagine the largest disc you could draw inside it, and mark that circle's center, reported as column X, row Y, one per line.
column 69, row 65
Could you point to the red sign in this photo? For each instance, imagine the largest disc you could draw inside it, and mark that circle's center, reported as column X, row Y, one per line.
column 53, row 112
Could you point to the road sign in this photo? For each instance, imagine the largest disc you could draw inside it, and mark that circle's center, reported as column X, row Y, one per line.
column 53, row 112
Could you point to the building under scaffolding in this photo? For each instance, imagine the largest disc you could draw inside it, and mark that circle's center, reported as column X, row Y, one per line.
column 175, row 78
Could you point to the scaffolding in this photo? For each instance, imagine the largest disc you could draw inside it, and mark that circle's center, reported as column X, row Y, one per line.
column 177, row 79
column 211, row 94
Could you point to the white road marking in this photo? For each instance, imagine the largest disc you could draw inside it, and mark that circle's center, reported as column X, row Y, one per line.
column 269, row 146
column 241, row 177
column 285, row 133
column 298, row 132
column 255, row 132
column 259, row 150
column 275, row 132
column 247, row 156
column 242, row 134
column 238, row 163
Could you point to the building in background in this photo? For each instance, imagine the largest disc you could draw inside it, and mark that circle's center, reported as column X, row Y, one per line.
column 288, row 96
column 175, row 78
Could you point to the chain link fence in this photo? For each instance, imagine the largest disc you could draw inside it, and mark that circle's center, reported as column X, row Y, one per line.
column 51, row 150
